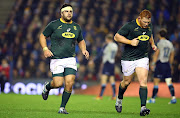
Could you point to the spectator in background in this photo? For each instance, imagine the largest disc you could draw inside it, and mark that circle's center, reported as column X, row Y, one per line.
column 4, row 73
column 164, row 12
column 175, row 37
column 31, row 16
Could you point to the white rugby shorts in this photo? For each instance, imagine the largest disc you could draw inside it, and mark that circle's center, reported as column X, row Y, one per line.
column 57, row 65
column 128, row 67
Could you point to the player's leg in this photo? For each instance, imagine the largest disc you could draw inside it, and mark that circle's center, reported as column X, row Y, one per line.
column 168, row 79
column 55, row 83
column 142, row 74
column 112, row 81
column 142, row 67
column 156, row 87
column 103, row 86
column 69, row 74
column 171, row 89
column 122, row 88
column 57, row 69
column 128, row 70
column 158, row 74
column 155, row 90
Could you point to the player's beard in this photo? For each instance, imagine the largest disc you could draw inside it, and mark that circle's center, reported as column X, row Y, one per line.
column 67, row 20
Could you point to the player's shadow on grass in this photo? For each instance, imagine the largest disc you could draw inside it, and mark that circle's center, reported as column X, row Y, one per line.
column 101, row 112
column 36, row 110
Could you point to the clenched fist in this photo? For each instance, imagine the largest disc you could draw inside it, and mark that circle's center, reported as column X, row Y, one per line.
column 135, row 42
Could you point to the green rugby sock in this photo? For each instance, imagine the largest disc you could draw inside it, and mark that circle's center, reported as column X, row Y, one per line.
column 143, row 95
column 48, row 86
column 121, row 91
column 65, row 97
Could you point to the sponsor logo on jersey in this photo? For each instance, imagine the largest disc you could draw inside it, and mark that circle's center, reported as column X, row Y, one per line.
column 136, row 29
column 69, row 29
column 60, row 27
column 68, row 35
column 149, row 28
column 144, row 33
column 143, row 37
column 75, row 28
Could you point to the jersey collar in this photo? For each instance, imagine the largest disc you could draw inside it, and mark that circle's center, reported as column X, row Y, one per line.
column 138, row 22
column 65, row 21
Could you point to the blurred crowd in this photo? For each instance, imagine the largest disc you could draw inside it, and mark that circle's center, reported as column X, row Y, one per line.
column 28, row 18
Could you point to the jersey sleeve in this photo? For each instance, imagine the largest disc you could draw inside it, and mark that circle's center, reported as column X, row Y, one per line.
column 80, row 37
column 48, row 30
column 124, row 30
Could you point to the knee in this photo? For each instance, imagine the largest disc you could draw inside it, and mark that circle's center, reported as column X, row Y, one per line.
column 143, row 82
column 69, row 83
column 56, row 84
column 103, row 81
column 168, row 81
column 126, row 82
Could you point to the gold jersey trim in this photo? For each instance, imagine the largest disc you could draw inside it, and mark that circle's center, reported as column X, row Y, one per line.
column 65, row 21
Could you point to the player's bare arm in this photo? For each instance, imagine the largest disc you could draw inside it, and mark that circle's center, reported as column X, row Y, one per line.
column 171, row 59
column 47, row 52
column 121, row 39
column 151, row 41
column 82, row 46
column 155, row 58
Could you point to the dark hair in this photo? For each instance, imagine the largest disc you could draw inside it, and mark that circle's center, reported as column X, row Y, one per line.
column 65, row 5
column 109, row 36
column 163, row 32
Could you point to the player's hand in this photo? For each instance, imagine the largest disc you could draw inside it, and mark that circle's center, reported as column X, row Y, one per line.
column 152, row 67
column 48, row 53
column 86, row 54
column 135, row 42
column 154, row 47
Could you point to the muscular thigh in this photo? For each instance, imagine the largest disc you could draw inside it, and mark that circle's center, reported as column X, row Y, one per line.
column 69, row 79
column 142, row 75
column 141, row 72
column 58, row 81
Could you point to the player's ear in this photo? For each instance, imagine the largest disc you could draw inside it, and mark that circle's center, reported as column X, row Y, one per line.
column 61, row 13
column 139, row 17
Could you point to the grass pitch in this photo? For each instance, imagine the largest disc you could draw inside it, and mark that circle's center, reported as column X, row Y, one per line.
column 81, row 106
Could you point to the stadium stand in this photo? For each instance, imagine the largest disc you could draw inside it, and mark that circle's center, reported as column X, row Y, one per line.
column 19, row 38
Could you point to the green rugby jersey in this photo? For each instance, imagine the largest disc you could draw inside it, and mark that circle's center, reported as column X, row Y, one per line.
column 63, row 38
column 133, row 30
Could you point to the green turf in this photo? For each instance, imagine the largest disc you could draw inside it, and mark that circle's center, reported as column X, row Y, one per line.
column 81, row 106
